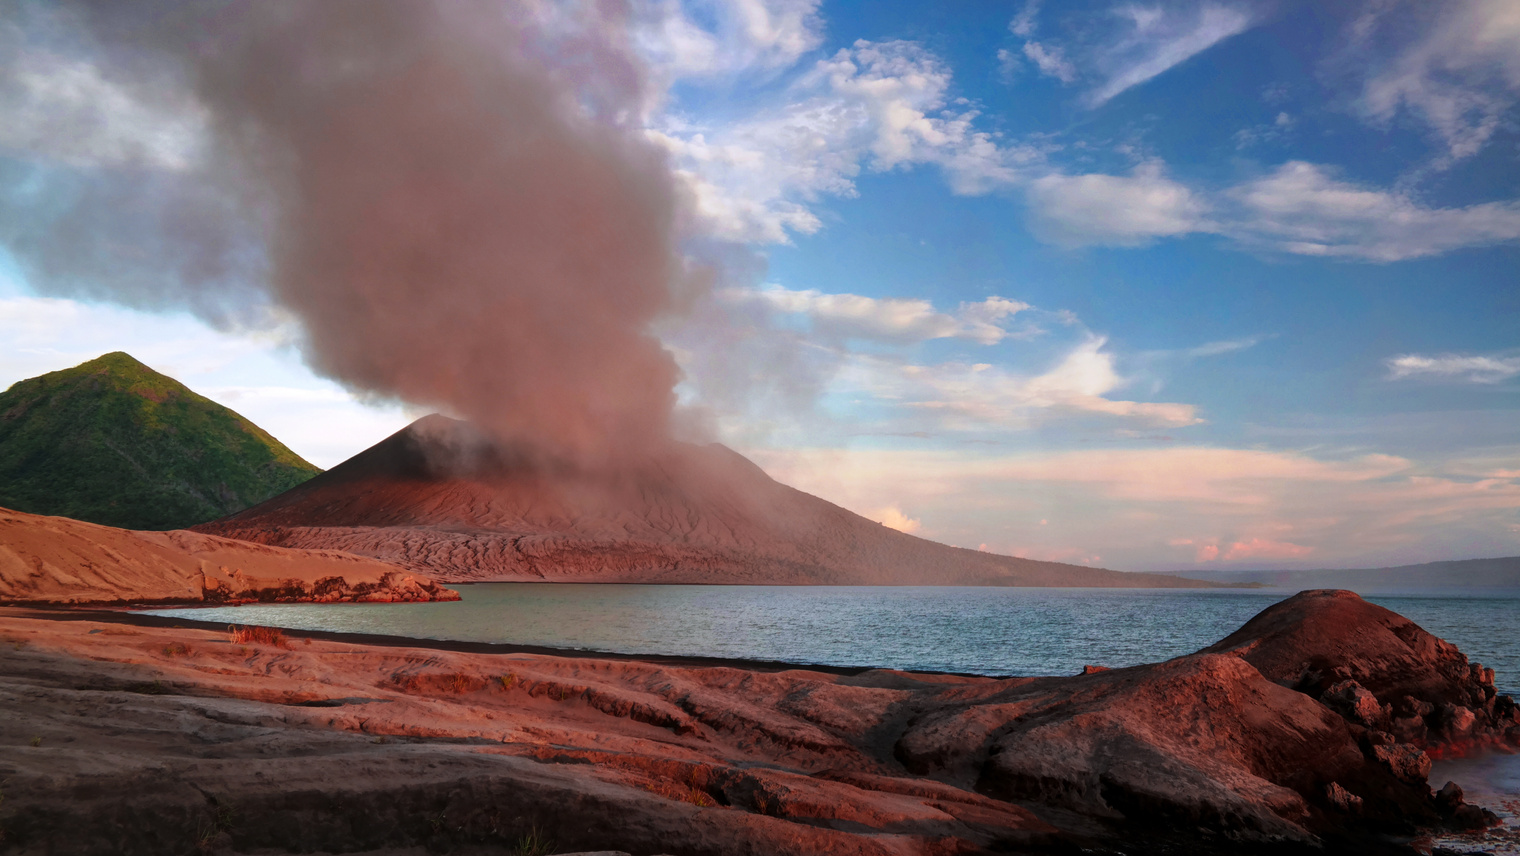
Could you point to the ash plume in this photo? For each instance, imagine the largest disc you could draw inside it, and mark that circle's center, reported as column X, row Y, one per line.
column 455, row 199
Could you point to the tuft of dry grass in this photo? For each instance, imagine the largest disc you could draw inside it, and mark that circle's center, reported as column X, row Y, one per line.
column 679, row 792
column 698, row 798
column 178, row 649
column 254, row 635
column 439, row 683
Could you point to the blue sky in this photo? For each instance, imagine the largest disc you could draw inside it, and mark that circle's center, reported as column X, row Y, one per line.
column 1144, row 285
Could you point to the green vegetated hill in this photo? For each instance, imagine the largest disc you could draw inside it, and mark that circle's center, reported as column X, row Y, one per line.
column 111, row 441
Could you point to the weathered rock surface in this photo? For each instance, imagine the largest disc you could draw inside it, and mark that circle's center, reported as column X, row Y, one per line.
column 1379, row 670
column 58, row 560
column 440, row 499
column 151, row 739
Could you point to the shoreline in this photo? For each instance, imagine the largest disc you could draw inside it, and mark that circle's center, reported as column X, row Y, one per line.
column 133, row 616
column 171, row 736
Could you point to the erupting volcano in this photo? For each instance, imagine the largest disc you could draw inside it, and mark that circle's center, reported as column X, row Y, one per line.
column 441, row 496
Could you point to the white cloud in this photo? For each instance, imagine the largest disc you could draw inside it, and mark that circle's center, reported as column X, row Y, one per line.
column 893, row 517
column 1474, row 369
column 1156, row 39
column 958, row 396
column 1298, row 208
column 871, row 106
column 1264, row 548
column 66, row 110
column 887, row 106
column 1135, row 44
column 1301, row 209
column 1226, row 346
column 783, row 30
column 1051, row 62
column 1279, row 128
column 1459, row 74
column 887, row 319
column 1008, row 64
column 1077, row 210
column 745, row 35
column 1024, row 23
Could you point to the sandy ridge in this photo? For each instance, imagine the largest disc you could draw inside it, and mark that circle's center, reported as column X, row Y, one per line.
column 59, row 560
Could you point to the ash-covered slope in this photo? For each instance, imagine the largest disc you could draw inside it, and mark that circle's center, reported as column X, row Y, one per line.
column 439, row 497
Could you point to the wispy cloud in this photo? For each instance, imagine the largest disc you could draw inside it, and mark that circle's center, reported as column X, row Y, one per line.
column 1051, row 61
column 1156, row 38
column 1026, row 21
column 1224, row 346
column 1298, row 208
column 738, row 36
column 1132, row 210
column 902, row 320
column 872, row 106
column 962, row 396
column 1301, row 208
column 1459, row 73
column 1491, row 368
column 1129, row 45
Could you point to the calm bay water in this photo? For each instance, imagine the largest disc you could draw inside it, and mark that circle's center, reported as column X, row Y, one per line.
column 993, row 631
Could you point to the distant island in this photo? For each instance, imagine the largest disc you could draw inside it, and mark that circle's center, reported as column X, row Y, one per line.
column 1459, row 574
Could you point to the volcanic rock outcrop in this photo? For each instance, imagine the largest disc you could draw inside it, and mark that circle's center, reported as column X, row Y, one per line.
column 439, row 498
column 58, row 560
column 326, row 745
column 1379, row 670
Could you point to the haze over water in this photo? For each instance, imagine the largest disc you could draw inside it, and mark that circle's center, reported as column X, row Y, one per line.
column 993, row 631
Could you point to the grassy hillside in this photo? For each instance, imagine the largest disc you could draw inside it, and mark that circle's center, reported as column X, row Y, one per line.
column 114, row 442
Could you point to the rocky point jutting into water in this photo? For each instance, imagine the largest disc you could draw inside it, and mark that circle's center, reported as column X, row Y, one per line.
column 1309, row 730
column 440, row 498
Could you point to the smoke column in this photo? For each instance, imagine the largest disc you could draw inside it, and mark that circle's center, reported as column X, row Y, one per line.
column 455, row 199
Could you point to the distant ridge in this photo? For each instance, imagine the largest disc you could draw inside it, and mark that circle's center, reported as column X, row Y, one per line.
column 439, row 498
column 113, row 442
column 1455, row 574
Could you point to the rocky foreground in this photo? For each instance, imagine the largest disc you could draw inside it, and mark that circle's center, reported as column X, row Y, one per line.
column 1309, row 729
column 58, row 560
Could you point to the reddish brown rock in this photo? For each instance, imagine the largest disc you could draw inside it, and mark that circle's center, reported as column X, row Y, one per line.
column 1378, row 668
column 153, row 739
column 64, row 561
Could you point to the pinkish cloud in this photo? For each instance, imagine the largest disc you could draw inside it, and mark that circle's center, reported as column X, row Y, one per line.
column 1263, row 548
